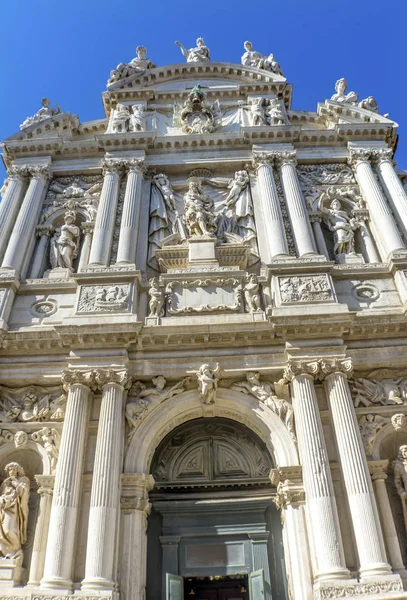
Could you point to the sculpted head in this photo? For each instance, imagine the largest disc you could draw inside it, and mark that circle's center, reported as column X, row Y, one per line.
column 29, row 400
column 200, row 42
column 13, row 469
column 20, row 439
column 45, row 102
column 403, row 452
column 248, row 46
column 141, row 51
column 336, row 205
column 253, row 377
column 159, row 381
column 341, row 85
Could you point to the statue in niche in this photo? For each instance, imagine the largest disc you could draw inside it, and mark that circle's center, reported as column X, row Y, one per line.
column 339, row 222
column 257, row 112
column 252, row 294
column 164, row 217
column 146, row 397
column 45, row 112
column 199, row 54
column 138, row 65
column 400, row 479
column 121, row 119
column 208, row 381
column 266, row 394
column 65, row 243
column 236, row 223
column 49, row 438
column 14, row 495
column 340, row 96
column 251, row 58
column 199, row 211
column 275, row 113
column 156, row 303
column 138, row 118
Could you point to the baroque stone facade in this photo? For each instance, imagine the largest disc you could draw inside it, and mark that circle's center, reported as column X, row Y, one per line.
column 203, row 360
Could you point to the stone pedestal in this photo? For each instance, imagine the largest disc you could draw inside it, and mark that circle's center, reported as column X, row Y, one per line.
column 349, row 259
column 11, row 574
column 202, row 251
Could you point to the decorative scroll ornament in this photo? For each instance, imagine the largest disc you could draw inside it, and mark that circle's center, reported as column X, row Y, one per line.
column 265, row 392
column 197, row 115
column 336, row 365
column 112, row 377
column 76, row 377
column 297, row 369
column 45, row 112
column 329, row 591
column 208, row 381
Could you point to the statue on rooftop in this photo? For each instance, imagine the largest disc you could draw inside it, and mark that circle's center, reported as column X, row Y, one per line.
column 199, row 54
column 252, row 58
column 340, row 96
column 138, row 65
column 45, row 112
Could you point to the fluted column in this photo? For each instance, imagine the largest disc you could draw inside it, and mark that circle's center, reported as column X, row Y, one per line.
column 65, row 505
column 272, row 217
column 135, row 509
column 362, row 504
column 87, row 229
column 44, row 232
column 377, row 470
column 10, row 203
column 392, row 185
column 321, row 504
column 300, row 223
column 27, row 219
column 45, row 491
column 106, row 215
column 369, row 251
column 385, row 228
column 316, row 219
column 105, row 496
column 290, row 500
column 131, row 212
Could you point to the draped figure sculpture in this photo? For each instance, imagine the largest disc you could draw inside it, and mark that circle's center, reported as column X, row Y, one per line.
column 198, row 54
column 65, row 243
column 199, row 211
column 400, row 479
column 340, row 223
column 14, row 495
column 340, row 96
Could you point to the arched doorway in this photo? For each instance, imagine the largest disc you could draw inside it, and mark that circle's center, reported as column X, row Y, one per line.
column 213, row 532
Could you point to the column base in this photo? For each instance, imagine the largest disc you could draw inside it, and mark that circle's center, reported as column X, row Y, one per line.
column 377, row 587
column 99, row 584
column 376, row 570
column 57, row 583
column 339, row 574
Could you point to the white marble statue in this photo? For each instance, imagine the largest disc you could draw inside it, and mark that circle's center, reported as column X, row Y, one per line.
column 275, row 114
column 45, row 112
column 257, row 112
column 199, row 211
column 138, row 118
column 340, row 95
column 145, row 396
column 65, row 243
column 14, row 495
column 252, row 58
column 252, row 294
column 137, row 65
column 208, row 381
column 50, row 439
column 341, row 224
column 369, row 103
column 121, row 119
column 265, row 393
column 400, row 479
column 199, row 54
column 156, row 303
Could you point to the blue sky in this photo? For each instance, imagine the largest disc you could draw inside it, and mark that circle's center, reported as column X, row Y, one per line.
column 65, row 50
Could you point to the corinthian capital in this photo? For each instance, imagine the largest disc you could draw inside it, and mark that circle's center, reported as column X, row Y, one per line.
column 383, row 155
column 18, row 172
column 112, row 165
column 358, row 155
column 285, row 158
column 112, row 376
column 40, row 172
column 136, row 165
column 336, row 365
column 261, row 159
column 72, row 377
column 299, row 368
column 290, row 490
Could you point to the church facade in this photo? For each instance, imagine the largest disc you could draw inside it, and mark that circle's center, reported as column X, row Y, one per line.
column 203, row 356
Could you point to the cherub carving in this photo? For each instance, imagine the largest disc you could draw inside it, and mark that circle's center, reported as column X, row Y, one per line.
column 252, row 294
column 208, row 381
column 157, row 298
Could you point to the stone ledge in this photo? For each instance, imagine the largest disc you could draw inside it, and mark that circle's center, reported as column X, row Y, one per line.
column 384, row 587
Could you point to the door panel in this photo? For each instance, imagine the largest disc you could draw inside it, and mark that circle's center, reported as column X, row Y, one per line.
column 256, row 585
column 174, row 587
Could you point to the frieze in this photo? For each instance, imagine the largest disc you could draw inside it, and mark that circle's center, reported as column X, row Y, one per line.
column 330, row 591
column 386, row 391
column 32, row 404
column 103, row 298
column 311, row 288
